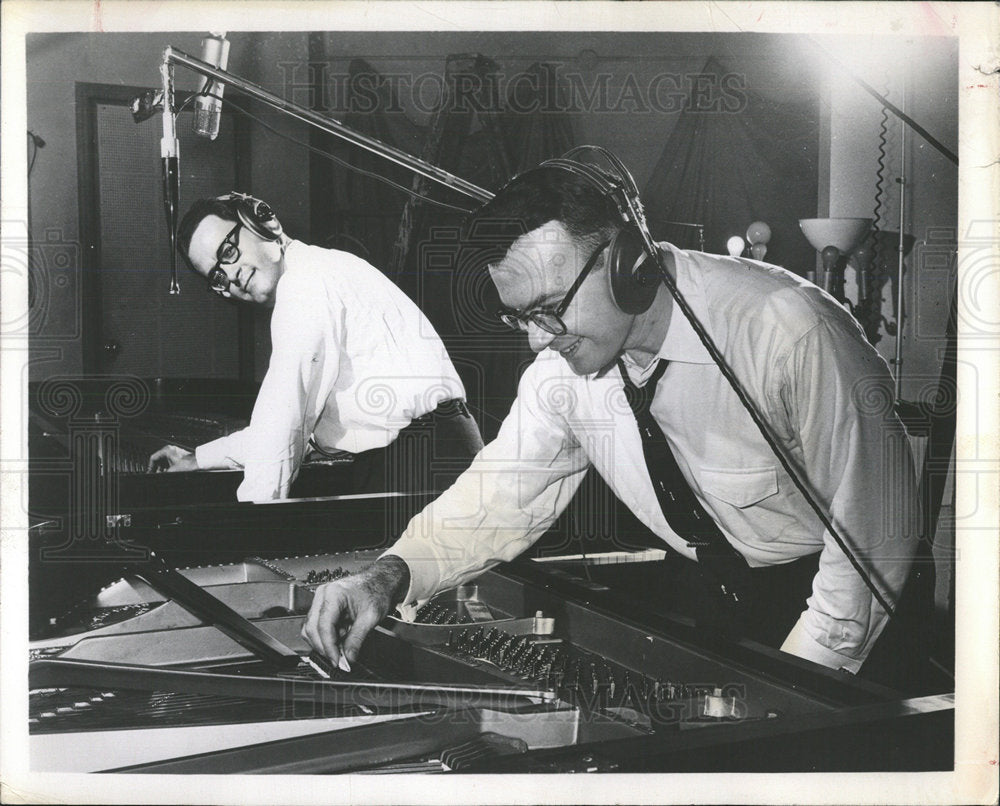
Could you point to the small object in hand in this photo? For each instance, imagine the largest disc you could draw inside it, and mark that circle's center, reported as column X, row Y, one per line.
column 320, row 665
column 343, row 665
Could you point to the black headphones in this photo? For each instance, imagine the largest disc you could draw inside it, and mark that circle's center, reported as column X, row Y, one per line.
column 633, row 264
column 254, row 214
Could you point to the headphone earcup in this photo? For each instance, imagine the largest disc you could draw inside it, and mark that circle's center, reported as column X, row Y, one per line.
column 268, row 226
column 632, row 289
column 256, row 215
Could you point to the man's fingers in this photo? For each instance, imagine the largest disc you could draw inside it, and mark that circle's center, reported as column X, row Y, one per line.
column 156, row 461
column 343, row 613
column 328, row 622
column 359, row 630
column 327, row 611
column 166, row 458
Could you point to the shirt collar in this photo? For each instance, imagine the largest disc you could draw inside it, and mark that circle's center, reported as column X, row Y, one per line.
column 681, row 343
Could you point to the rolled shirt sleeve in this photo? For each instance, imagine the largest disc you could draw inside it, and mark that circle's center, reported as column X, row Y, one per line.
column 511, row 494
column 838, row 397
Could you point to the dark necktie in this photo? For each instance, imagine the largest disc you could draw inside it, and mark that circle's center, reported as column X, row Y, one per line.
column 725, row 566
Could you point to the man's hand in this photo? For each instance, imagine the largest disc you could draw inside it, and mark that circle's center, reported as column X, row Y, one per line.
column 345, row 611
column 171, row 459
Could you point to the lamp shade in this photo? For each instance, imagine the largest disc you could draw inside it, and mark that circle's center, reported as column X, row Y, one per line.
column 844, row 233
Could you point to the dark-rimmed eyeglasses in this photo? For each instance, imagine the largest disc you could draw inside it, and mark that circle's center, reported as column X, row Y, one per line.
column 549, row 318
column 226, row 255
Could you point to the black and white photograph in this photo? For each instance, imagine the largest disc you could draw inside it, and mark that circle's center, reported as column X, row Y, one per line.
column 499, row 402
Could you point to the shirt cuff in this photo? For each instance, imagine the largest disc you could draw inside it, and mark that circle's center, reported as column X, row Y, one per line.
column 215, row 454
column 803, row 645
column 424, row 578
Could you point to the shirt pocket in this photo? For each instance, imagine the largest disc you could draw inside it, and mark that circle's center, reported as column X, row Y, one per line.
column 740, row 488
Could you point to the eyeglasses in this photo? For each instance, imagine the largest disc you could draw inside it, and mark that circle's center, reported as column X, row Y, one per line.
column 226, row 255
column 549, row 319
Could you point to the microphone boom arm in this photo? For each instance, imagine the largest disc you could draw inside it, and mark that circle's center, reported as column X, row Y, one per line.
column 332, row 126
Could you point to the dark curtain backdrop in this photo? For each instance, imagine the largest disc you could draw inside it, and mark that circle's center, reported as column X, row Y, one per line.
column 352, row 211
column 421, row 251
column 532, row 133
column 736, row 157
column 535, row 132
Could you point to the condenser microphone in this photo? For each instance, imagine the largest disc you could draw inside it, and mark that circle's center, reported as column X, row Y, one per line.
column 208, row 102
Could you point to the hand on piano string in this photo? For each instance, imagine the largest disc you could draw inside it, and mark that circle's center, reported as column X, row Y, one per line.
column 171, row 459
column 344, row 611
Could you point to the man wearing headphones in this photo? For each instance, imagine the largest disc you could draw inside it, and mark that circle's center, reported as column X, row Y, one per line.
column 355, row 366
column 625, row 382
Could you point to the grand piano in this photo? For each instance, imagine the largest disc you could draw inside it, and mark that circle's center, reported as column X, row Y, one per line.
column 552, row 663
column 537, row 666
column 106, row 428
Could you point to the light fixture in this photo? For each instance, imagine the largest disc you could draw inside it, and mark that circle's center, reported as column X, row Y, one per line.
column 832, row 238
column 759, row 235
column 735, row 246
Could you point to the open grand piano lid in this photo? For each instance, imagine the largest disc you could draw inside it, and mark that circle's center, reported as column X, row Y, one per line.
column 626, row 694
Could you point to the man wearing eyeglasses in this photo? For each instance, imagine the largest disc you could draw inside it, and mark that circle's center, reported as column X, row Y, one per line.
column 798, row 353
column 355, row 366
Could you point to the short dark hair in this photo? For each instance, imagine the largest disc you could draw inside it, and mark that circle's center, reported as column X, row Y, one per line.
column 197, row 213
column 532, row 199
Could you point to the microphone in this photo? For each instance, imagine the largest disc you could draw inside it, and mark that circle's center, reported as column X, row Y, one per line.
column 170, row 155
column 208, row 103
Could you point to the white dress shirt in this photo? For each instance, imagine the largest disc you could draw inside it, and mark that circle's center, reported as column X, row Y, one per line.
column 353, row 361
column 826, row 393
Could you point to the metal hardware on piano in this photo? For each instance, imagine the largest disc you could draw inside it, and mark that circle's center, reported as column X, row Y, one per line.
column 524, row 670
